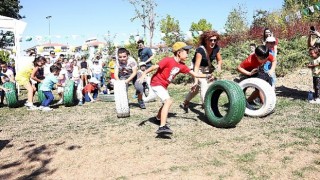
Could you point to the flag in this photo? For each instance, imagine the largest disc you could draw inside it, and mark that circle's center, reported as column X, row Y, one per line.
column 311, row 9
column 298, row 14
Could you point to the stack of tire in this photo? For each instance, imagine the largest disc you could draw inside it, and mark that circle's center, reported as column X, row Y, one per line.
column 236, row 105
column 11, row 95
column 267, row 92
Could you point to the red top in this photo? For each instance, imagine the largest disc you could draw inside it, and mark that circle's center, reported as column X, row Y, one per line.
column 252, row 62
column 168, row 69
column 89, row 88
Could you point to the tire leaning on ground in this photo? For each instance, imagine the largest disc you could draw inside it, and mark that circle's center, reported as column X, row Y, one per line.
column 268, row 93
column 41, row 96
column 106, row 97
column 69, row 93
column 11, row 94
column 236, row 106
column 151, row 96
column 121, row 99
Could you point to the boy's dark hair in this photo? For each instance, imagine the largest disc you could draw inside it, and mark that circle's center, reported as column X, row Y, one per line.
column 54, row 68
column 3, row 62
column 123, row 50
column 253, row 44
column 140, row 41
column 262, row 51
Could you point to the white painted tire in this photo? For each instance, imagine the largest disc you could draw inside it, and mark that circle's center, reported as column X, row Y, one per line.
column 267, row 91
column 121, row 99
column 151, row 96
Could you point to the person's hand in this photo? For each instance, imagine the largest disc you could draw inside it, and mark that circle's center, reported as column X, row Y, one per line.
column 141, row 79
column 316, row 33
column 253, row 71
column 218, row 69
column 93, row 101
column 194, row 87
column 5, row 89
column 270, row 73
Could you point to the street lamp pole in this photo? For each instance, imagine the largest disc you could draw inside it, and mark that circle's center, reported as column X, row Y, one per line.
column 144, row 23
column 49, row 17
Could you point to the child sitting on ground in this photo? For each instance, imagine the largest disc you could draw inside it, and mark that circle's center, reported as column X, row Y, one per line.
column 91, row 87
column 314, row 66
column 47, row 86
column 167, row 69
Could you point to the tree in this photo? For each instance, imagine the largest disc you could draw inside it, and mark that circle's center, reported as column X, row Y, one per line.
column 144, row 10
column 202, row 25
column 236, row 22
column 171, row 28
column 110, row 47
column 297, row 4
column 11, row 8
column 260, row 19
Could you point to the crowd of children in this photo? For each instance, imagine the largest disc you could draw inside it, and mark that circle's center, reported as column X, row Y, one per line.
column 89, row 77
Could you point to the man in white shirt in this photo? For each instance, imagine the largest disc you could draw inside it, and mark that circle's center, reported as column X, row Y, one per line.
column 7, row 72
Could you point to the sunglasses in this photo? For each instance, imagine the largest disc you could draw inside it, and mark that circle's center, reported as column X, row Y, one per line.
column 213, row 40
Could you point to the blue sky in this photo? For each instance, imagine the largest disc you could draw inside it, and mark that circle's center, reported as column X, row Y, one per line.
column 95, row 18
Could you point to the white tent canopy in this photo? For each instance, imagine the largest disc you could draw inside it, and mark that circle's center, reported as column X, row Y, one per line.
column 17, row 27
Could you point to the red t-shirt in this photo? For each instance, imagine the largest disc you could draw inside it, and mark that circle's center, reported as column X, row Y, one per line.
column 168, row 69
column 89, row 88
column 252, row 62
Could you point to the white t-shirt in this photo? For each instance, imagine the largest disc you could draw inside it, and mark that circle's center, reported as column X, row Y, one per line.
column 63, row 72
column 46, row 69
column 9, row 73
column 96, row 68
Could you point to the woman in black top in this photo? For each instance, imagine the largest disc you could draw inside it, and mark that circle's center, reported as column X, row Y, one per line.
column 207, row 51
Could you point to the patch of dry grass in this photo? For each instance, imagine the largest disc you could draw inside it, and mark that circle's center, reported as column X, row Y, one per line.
column 91, row 142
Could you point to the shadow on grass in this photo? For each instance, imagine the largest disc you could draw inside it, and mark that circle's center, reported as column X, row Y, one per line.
column 284, row 91
column 33, row 162
column 154, row 121
column 200, row 114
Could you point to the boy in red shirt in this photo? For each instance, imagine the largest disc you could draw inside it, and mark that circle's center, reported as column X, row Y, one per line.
column 253, row 67
column 91, row 87
column 167, row 69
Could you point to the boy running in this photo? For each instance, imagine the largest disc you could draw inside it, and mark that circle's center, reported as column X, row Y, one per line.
column 167, row 69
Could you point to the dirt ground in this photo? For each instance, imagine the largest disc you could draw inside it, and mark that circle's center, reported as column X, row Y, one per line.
column 90, row 142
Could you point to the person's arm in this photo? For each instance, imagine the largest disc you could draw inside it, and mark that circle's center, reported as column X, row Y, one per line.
column 134, row 73
column 4, row 89
column 144, row 74
column 197, row 67
column 219, row 61
column 245, row 72
column 312, row 38
column 33, row 74
column 273, row 67
column 151, row 57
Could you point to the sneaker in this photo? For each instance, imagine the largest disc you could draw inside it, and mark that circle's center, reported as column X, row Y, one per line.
column 80, row 103
column 47, row 109
column 184, row 107
column 164, row 130
column 32, row 108
column 60, row 102
column 40, row 107
column 28, row 104
column 141, row 104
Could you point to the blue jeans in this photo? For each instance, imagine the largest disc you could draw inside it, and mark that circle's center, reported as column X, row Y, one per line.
column 48, row 98
column 87, row 98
